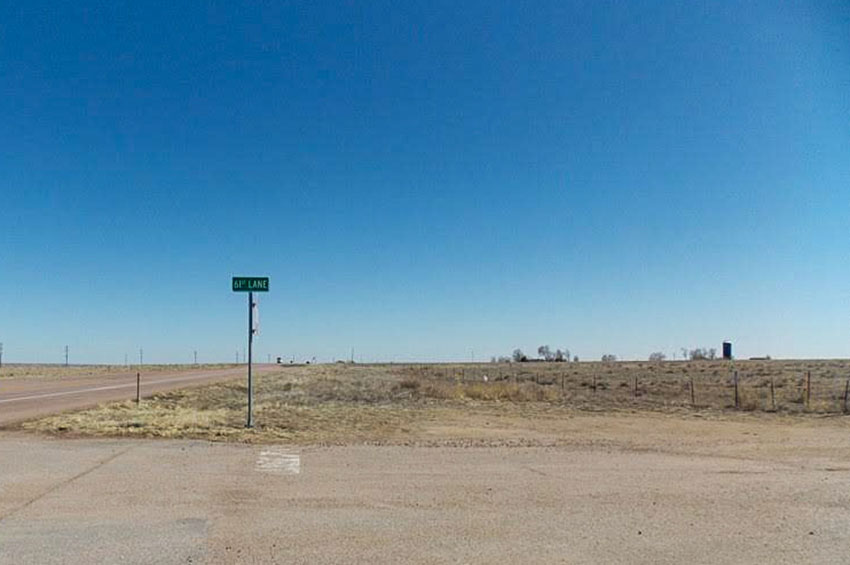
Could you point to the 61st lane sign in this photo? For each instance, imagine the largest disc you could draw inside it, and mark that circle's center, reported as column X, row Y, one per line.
column 250, row 284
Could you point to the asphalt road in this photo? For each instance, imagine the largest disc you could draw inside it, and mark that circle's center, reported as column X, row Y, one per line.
column 130, row 501
column 28, row 397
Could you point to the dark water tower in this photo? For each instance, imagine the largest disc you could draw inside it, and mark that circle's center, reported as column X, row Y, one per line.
column 727, row 349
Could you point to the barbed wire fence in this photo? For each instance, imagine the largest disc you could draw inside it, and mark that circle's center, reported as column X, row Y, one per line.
column 608, row 387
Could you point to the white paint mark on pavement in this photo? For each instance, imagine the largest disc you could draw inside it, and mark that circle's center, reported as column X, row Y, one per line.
column 278, row 462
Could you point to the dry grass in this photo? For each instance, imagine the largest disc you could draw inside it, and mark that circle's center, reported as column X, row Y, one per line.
column 500, row 391
column 659, row 386
column 159, row 418
column 352, row 403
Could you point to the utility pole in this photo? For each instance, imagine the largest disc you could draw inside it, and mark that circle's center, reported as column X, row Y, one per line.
column 66, row 355
column 237, row 356
column 126, row 362
column 196, row 357
column 141, row 356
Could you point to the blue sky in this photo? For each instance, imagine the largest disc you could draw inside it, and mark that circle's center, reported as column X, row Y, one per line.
column 424, row 180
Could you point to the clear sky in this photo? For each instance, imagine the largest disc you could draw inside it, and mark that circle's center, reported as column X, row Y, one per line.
column 424, row 180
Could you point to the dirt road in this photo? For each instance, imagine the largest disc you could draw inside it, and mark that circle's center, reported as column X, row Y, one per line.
column 26, row 397
column 138, row 501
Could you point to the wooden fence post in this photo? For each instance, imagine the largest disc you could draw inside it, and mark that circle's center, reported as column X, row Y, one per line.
column 846, row 390
column 808, row 388
column 594, row 383
column 772, row 395
column 737, row 402
column 693, row 397
column 634, row 390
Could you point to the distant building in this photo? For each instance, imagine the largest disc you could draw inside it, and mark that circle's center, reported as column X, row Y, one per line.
column 727, row 349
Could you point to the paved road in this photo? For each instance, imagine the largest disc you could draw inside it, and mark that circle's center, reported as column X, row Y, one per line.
column 28, row 397
column 130, row 501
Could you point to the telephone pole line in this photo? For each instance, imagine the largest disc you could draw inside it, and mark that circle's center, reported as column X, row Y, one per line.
column 66, row 355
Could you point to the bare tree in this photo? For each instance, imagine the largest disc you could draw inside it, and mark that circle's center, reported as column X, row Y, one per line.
column 702, row 354
column 609, row 358
column 519, row 356
column 544, row 352
column 657, row 357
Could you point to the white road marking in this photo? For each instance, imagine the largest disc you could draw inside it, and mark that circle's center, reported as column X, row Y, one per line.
column 110, row 387
column 278, row 462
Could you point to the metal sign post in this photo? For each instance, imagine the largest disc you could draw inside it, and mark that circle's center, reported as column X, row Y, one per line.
column 250, row 285
column 250, row 423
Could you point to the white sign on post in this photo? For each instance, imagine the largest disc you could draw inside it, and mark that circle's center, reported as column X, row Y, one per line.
column 255, row 309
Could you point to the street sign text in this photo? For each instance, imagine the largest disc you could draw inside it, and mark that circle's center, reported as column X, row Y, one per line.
column 250, row 284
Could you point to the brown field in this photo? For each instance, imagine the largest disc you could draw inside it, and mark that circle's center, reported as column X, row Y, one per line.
column 523, row 404
column 665, row 385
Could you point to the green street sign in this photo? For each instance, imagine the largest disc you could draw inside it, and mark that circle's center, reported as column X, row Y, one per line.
column 250, row 284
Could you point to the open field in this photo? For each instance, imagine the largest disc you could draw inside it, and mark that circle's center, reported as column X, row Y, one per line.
column 59, row 371
column 665, row 385
column 523, row 404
